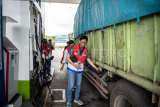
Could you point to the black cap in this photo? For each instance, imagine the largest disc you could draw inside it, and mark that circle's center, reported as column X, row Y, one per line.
column 67, row 42
column 50, row 40
column 44, row 41
column 71, row 41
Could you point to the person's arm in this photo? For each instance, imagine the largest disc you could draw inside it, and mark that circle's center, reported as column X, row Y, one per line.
column 70, row 61
column 53, row 47
column 62, row 66
column 91, row 63
column 64, row 59
column 65, row 55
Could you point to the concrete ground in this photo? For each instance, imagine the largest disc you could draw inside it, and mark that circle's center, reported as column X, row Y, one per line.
column 89, row 93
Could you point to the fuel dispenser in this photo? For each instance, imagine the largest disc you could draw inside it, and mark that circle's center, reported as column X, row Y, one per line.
column 11, row 65
column 2, row 80
column 22, row 54
column 11, row 62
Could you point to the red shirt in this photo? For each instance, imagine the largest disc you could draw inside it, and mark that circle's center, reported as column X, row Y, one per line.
column 76, row 52
column 68, row 48
column 46, row 49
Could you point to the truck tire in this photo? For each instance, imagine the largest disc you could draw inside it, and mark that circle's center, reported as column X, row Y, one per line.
column 127, row 94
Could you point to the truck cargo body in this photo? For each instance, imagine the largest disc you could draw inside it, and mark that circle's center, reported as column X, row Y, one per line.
column 129, row 50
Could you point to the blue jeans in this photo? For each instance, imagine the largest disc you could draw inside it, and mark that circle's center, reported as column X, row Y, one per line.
column 72, row 77
column 48, row 64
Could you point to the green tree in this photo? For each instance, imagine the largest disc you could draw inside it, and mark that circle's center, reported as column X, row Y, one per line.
column 52, row 38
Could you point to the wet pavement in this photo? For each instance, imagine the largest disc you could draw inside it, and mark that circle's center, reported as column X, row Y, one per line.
column 89, row 93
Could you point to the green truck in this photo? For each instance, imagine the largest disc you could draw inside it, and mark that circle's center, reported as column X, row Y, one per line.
column 128, row 56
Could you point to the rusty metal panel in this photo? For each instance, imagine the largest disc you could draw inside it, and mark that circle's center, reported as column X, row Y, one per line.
column 108, row 45
column 99, row 45
column 142, row 47
column 88, row 38
column 90, row 46
column 157, row 48
column 93, row 52
column 111, row 33
column 105, row 46
column 135, row 79
column 127, row 61
column 96, row 44
column 118, row 46
column 89, row 43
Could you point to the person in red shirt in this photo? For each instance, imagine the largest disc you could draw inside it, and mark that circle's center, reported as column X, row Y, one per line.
column 46, row 52
column 71, row 43
column 76, row 57
column 64, row 50
column 51, row 46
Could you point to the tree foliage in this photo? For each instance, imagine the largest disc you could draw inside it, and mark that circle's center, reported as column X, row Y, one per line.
column 50, row 37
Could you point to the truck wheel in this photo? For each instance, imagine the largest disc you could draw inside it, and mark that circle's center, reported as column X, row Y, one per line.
column 127, row 94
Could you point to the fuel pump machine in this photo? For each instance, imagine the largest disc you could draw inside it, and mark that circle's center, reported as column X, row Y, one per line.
column 11, row 62
column 2, row 80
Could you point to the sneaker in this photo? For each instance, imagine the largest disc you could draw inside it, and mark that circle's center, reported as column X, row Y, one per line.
column 49, row 75
column 69, row 104
column 78, row 101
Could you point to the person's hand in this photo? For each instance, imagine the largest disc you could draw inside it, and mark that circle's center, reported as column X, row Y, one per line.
column 97, row 70
column 61, row 68
column 77, row 66
column 51, row 58
column 48, row 60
